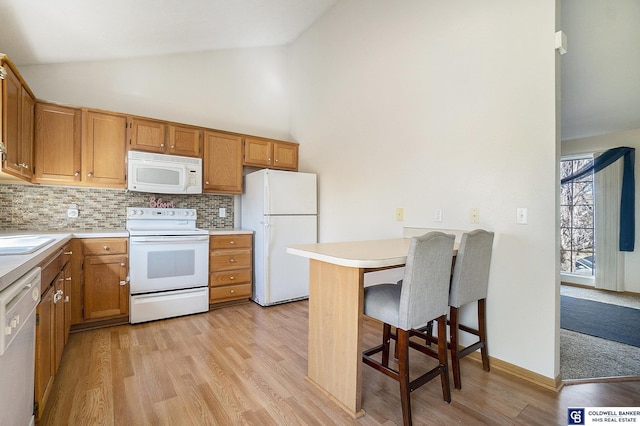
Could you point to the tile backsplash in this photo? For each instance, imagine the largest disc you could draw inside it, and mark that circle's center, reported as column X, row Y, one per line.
column 44, row 208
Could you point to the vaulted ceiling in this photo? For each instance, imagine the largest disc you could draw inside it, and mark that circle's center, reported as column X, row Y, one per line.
column 600, row 72
column 37, row 32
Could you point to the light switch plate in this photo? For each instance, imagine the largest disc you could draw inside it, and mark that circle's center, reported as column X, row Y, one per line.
column 522, row 216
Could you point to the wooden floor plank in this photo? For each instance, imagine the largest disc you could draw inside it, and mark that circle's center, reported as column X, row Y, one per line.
column 246, row 364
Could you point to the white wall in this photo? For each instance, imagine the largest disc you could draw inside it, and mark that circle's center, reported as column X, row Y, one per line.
column 241, row 90
column 429, row 104
column 630, row 138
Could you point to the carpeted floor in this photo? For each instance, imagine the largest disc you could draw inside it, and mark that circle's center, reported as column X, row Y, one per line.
column 583, row 356
column 606, row 320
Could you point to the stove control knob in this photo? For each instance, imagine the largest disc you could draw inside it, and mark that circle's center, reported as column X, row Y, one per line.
column 171, row 213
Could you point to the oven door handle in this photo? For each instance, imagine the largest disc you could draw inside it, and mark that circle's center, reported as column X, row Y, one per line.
column 169, row 239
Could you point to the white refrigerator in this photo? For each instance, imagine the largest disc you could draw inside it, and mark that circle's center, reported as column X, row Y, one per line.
column 281, row 207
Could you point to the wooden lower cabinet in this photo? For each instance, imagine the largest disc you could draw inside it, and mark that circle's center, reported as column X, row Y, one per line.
column 106, row 290
column 53, row 316
column 230, row 268
column 45, row 351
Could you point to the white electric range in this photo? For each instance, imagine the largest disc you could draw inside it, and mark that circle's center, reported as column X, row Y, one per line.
column 168, row 263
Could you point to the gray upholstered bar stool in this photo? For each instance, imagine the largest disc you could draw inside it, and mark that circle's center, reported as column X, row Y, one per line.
column 469, row 283
column 422, row 298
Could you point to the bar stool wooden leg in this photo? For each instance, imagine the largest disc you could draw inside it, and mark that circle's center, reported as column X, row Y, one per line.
column 453, row 346
column 403, row 374
column 482, row 331
column 386, row 338
column 442, row 358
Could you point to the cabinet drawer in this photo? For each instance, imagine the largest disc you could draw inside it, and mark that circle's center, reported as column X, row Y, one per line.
column 230, row 277
column 104, row 246
column 230, row 292
column 226, row 259
column 230, row 241
column 51, row 268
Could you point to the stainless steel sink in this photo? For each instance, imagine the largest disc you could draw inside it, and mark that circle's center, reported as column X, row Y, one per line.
column 22, row 244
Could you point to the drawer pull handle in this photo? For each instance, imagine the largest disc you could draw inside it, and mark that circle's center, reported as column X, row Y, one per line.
column 232, row 260
column 122, row 264
column 68, row 278
column 66, row 299
column 232, row 278
column 105, row 248
column 232, row 242
column 123, row 282
column 68, row 252
column 233, row 291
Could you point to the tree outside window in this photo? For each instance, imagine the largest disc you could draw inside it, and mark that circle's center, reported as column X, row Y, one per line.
column 577, row 253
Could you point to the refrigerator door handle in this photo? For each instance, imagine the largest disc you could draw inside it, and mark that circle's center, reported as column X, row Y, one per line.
column 267, row 194
column 267, row 260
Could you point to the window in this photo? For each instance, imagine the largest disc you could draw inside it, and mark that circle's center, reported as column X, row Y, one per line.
column 577, row 243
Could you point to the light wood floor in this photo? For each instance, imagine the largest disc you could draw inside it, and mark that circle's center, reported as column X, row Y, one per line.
column 246, row 365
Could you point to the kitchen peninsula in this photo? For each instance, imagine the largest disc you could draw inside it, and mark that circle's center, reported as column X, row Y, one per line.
column 336, row 297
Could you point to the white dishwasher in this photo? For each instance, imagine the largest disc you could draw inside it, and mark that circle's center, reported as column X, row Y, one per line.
column 17, row 349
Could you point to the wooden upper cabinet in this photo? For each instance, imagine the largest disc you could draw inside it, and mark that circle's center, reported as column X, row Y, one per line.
column 147, row 135
column 164, row 138
column 222, row 163
column 58, row 135
column 104, row 149
column 270, row 153
column 285, row 155
column 184, row 140
column 17, row 125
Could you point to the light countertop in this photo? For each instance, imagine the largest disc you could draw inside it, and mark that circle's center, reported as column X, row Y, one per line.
column 227, row 231
column 358, row 254
column 13, row 267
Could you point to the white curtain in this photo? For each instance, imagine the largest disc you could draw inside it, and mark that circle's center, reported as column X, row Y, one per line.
column 609, row 260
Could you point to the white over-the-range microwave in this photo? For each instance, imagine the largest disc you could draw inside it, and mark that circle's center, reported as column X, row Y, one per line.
column 164, row 174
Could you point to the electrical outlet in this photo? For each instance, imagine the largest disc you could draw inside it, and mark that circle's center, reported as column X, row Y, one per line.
column 437, row 216
column 399, row 214
column 72, row 212
column 474, row 215
column 222, row 212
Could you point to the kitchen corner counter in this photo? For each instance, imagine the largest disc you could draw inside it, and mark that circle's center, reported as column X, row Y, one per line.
column 228, row 231
column 14, row 266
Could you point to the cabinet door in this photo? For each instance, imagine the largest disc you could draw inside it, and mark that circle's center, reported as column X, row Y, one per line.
column 106, row 292
column 185, row 141
column 12, row 89
column 222, row 163
column 57, row 144
column 257, row 152
column 76, row 293
column 104, row 149
column 44, row 369
column 58, row 332
column 285, row 156
column 147, row 135
column 27, row 116
column 68, row 285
